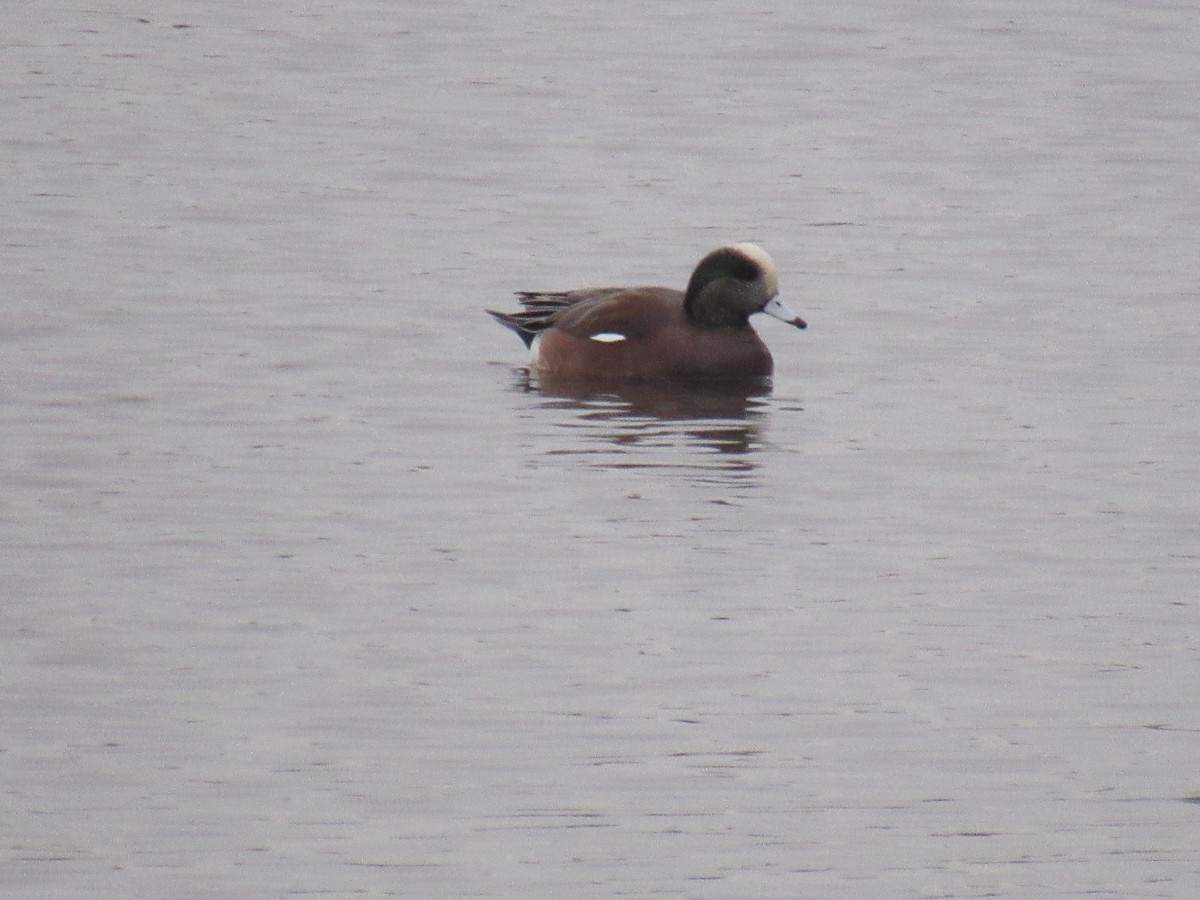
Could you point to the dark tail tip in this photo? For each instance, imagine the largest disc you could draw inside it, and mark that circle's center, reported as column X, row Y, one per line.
column 514, row 324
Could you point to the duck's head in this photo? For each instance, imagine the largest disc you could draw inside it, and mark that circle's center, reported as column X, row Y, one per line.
column 733, row 283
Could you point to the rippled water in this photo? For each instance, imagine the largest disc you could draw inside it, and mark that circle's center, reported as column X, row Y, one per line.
column 307, row 590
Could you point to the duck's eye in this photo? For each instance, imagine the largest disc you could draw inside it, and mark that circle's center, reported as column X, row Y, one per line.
column 744, row 269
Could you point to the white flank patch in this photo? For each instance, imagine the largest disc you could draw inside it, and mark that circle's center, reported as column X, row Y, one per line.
column 608, row 337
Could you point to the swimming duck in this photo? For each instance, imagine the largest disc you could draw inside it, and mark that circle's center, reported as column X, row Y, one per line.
column 652, row 333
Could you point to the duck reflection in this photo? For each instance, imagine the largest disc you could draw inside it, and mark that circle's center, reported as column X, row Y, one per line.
column 717, row 426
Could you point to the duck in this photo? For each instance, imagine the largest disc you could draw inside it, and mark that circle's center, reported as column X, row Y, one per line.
column 658, row 333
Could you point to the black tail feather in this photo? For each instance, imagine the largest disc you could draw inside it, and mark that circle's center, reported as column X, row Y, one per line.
column 512, row 320
column 538, row 314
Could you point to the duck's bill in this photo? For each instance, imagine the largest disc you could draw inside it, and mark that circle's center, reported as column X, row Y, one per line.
column 777, row 308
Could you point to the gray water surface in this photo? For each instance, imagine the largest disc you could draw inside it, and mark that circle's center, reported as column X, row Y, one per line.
column 307, row 591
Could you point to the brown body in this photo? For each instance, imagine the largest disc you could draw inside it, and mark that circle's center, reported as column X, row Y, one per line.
column 661, row 342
